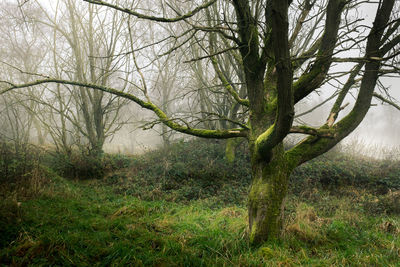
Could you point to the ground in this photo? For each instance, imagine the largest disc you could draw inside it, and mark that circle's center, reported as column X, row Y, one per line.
column 98, row 222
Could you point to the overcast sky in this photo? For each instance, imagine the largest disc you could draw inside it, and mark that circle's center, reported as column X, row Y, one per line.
column 382, row 124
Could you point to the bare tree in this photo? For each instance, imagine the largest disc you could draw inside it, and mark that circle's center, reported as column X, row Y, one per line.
column 284, row 60
column 22, row 49
column 83, row 45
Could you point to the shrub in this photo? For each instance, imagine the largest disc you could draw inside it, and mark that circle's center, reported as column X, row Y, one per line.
column 186, row 171
column 17, row 160
column 77, row 165
column 198, row 169
column 20, row 170
column 21, row 178
column 386, row 204
column 9, row 221
column 113, row 162
column 333, row 170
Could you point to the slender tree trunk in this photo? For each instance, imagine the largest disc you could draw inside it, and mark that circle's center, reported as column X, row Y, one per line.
column 267, row 194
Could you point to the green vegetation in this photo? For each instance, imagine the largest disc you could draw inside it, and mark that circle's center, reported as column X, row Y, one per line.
column 186, row 206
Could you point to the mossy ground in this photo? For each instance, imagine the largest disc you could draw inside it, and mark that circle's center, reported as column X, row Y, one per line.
column 99, row 223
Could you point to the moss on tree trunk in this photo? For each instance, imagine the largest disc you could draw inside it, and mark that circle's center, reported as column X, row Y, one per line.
column 266, row 198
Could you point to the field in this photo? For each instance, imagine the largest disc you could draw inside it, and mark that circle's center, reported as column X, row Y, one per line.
column 186, row 206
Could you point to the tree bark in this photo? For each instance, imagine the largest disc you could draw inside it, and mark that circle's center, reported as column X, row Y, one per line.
column 267, row 194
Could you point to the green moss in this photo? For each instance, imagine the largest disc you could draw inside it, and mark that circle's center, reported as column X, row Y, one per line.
column 262, row 139
column 230, row 149
column 266, row 197
column 272, row 106
column 305, row 79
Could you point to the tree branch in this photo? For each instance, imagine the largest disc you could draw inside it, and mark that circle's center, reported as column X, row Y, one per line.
column 299, row 24
column 387, row 101
column 311, row 80
column 337, row 107
column 220, row 134
column 312, row 146
column 154, row 18
column 211, row 55
column 285, row 113
column 328, row 133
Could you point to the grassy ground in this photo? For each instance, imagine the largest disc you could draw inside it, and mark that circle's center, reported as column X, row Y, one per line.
column 105, row 223
column 87, row 224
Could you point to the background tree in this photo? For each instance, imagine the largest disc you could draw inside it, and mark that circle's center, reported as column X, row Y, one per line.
column 284, row 58
column 21, row 49
column 81, row 46
column 92, row 39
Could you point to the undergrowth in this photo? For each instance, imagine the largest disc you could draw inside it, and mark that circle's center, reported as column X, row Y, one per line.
column 198, row 169
column 185, row 171
column 186, row 206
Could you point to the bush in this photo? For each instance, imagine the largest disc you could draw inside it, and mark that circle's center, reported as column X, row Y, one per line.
column 77, row 165
column 383, row 204
column 187, row 171
column 21, row 178
column 20, row 170
column 113, row 162
column 10, row 219
column 17, row 160
column 198, row 169
column 336, row 169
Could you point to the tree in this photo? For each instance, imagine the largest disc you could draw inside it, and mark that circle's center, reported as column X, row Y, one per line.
column 286, row 51
column 92, row 38
column 20, row 47
column 81, row 47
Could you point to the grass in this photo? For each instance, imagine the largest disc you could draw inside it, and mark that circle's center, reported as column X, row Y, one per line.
column 178, row 210
column 85, row 223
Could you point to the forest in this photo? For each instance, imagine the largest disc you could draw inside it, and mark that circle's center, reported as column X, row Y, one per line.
column 199, row 133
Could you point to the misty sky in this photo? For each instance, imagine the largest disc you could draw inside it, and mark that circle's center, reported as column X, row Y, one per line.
column 381, row 126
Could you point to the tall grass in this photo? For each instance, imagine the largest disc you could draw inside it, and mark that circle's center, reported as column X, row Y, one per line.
column 22, row 177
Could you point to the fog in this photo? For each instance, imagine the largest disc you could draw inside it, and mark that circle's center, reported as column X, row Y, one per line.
column 380, row 128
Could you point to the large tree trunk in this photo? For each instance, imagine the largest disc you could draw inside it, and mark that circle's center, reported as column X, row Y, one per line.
column 267, row 194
